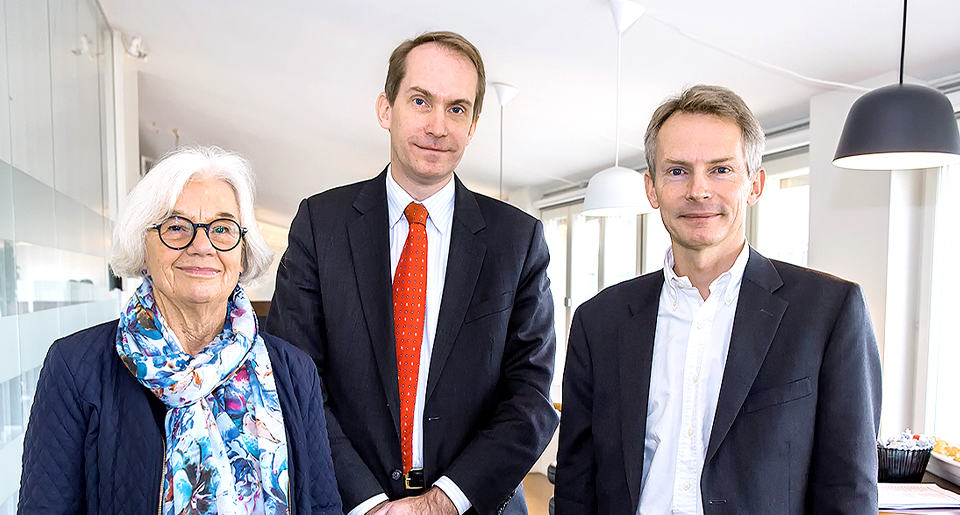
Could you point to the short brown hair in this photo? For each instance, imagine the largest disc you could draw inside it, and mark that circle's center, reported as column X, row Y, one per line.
column 711, row 100
column 449, row 40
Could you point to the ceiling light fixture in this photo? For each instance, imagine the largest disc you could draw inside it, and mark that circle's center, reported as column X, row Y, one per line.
column 505, row 93
column 134, row 47
column 899, row 127
column 84, row 48
column 617, row 190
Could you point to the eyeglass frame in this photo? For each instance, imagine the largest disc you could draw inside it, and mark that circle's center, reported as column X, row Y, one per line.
column 206, row 230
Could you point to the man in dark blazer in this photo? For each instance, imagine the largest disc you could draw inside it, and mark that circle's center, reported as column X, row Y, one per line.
column 472, row 419
column 727, row 382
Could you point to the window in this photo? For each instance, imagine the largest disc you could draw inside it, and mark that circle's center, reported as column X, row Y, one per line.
column 556, row 227
column 943, row 381
column 580, row 266
column 778, row 226
column 656, row 240
column 574, row 271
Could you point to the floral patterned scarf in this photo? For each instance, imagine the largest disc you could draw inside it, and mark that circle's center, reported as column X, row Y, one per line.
column 226, row 449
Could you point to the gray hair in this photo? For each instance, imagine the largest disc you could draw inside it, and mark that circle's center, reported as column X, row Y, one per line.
column 154, row 197
column 711, row 100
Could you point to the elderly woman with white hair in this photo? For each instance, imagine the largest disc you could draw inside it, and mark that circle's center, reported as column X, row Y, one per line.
column 182, row 406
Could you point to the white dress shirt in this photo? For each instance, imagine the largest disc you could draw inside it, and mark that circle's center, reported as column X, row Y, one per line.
column 689, row 354
column 439, row 223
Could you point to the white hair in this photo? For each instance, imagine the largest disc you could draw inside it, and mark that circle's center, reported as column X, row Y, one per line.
column 153, row 199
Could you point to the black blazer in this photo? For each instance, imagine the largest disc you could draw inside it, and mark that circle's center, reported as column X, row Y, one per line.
column 95, row 440
column 487, row 414
column 799, row 407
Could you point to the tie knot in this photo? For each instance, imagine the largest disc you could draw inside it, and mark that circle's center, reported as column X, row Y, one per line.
column 416, row 214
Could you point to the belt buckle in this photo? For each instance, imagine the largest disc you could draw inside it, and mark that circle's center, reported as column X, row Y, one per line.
column 413, row 480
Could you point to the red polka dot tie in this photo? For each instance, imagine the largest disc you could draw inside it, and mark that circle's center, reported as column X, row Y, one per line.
column 409, row 305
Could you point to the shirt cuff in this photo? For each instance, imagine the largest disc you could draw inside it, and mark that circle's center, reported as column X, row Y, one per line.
column 368, row 505
column 454, row 493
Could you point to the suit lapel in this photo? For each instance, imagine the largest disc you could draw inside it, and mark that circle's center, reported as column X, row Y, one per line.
column 369, row 237
column 635, row 352
column 463, row 268
column 754, row 326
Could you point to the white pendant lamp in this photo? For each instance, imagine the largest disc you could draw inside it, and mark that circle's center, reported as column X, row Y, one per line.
column 618, row 190
column 899, row 127
column 505, row 93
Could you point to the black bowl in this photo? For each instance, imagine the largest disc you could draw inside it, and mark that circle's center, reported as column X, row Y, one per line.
column 902, row 465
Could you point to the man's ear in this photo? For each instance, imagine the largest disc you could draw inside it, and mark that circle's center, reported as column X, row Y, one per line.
column 651, row 190
column 383, row 110
column 756, row 186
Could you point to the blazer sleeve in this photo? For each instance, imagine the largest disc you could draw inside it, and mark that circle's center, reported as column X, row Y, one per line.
column 296, row 315
column 575, row 491
column 492, row 465
column 323, row 484
column 843, row 471
column 53, row 479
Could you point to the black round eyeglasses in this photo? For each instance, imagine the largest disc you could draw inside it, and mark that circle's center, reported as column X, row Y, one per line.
column 177, row 232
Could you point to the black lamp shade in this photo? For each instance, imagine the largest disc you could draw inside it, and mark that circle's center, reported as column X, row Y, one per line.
column 899, row 127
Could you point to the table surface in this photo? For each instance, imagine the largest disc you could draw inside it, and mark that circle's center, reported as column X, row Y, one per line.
column 939, row 481
column 942, row 483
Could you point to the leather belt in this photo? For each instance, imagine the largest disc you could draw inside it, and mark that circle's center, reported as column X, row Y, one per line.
column 413, row 480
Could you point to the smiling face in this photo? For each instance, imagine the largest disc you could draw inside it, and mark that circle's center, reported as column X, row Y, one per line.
column 701, row 183
column 431, row 121
column 198, row 274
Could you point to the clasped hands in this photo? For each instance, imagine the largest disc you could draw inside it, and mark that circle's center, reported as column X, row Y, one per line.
column 432, row 502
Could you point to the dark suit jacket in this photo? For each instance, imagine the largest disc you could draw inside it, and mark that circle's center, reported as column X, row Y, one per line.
column 796, row 421
column 487, row 414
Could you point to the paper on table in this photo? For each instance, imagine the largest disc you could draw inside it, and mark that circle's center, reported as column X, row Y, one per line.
column 898, row 496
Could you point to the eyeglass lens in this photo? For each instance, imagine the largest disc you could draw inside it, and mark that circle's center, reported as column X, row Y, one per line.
column 178, row 233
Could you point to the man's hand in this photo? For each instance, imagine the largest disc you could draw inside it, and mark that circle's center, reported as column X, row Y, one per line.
column 433, row 502
column 377, row 508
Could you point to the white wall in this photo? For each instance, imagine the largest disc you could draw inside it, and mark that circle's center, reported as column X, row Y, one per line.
column 849, row 209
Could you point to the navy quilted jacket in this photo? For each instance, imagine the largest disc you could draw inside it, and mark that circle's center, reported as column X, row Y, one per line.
column 95, row 439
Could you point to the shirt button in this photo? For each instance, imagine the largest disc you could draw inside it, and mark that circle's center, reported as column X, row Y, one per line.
column 396, row 475
column 686, row 486
column 696, row 379
column 699, row 325
column 690, row 432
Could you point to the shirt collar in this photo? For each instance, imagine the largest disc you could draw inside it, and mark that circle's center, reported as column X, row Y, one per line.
column 439, row 205
column 729, row 280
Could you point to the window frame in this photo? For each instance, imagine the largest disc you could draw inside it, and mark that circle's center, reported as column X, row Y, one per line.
column 928, row 345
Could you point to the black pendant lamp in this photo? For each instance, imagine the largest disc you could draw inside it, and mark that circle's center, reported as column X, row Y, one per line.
column 899, row 127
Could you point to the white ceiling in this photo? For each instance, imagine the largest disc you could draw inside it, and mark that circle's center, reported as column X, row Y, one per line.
column 292, row 84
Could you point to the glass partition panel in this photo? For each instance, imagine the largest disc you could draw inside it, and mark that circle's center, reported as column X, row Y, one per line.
column 56, row 99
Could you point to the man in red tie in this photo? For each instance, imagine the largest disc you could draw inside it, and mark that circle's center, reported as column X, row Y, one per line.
column 426, row 307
